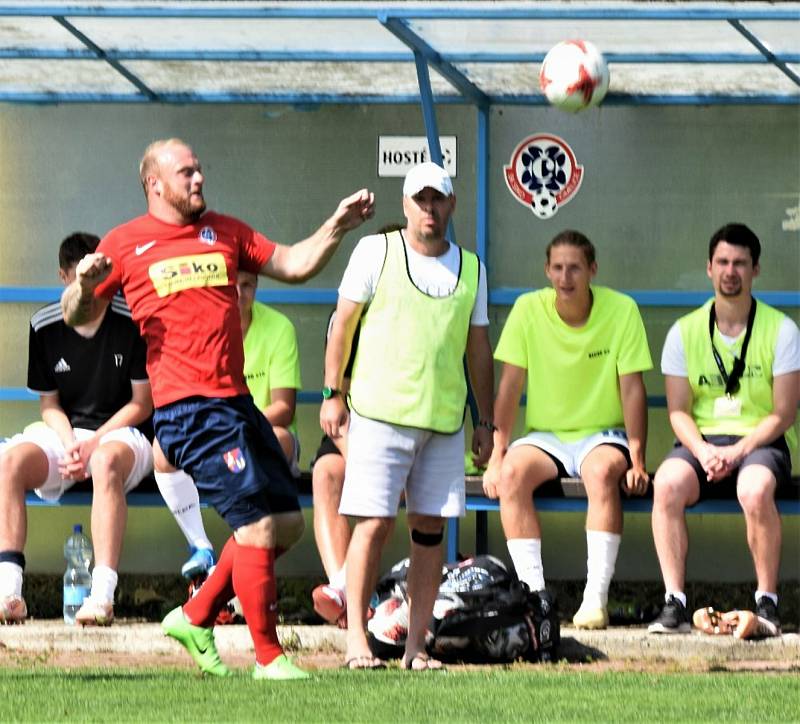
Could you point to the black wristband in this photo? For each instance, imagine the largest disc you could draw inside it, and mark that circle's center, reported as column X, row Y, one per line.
column 488, row 425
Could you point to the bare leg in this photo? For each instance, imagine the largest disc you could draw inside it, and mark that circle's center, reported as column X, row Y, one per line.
column 363, row 559
column 111, row 464
column 331, row 530
column 674, row 488
column 601, row 471
column 524, row 469
column 23, row 467
column 755, row 488
column 424, row 577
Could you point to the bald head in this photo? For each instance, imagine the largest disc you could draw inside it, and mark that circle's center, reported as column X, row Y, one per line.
column 149, row 165
column 172, row 180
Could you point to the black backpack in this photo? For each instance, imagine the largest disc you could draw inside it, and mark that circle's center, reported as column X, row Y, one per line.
column 482, row 614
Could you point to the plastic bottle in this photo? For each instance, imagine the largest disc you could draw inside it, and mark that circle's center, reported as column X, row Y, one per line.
column 77, row 579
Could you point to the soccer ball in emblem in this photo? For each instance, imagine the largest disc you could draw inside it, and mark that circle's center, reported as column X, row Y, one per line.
column 544, row 204
column 574, row 75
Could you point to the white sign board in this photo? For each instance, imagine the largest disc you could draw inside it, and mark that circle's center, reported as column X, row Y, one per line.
column 397, row 154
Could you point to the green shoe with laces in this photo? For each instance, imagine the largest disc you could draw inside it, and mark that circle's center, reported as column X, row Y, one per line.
column 280, row 669
column 198, row 641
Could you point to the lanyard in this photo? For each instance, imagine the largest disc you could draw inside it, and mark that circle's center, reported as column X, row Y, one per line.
column 732, row 381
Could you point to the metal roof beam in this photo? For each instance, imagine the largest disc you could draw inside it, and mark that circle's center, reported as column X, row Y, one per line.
column 766, row 52
column 101, row 55
column 446, row 12
column 293, row 56
column 400, row 29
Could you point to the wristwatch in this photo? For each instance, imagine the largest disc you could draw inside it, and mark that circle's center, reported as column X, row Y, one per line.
column 328, row 392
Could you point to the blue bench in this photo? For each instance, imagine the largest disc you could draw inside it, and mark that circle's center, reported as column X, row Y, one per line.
column 573, row 501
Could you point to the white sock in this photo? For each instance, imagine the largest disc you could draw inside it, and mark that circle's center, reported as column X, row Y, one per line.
column 104, row 583
column 772, row 596
column 10, row 579
column 601, row 558
column 680, row 595
column 337, row 580
column 181, row 497
column 526, row 555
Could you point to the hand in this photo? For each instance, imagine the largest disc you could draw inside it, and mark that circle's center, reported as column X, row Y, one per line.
column 730, row 457
column 482, row 445
column 333, row 417
column 636, row 481
column 709, row 457
column 92, row 269
column 491, row 478
column 75, row 463
column 354, row 210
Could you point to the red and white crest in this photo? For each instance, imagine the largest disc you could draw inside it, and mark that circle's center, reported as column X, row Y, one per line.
column 543, row 174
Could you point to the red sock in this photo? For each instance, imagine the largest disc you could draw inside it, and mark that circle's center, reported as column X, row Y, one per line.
column 255, row 585
column 215, row 592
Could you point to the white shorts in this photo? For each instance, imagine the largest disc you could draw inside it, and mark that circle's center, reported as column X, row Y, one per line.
column 384, row 459
column 54, row 487
column 572, row 454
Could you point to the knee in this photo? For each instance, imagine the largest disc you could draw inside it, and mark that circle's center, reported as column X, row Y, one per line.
column 602, row 476
column 376, row 529
column 15, row 465
column 106, row 467
column 327, row 479
column 756, row 496
column 512, row 481
column 671, row 491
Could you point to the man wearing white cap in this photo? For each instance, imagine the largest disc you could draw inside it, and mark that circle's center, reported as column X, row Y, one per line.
column 421, row 302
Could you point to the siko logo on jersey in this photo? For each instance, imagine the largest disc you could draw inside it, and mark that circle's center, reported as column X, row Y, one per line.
column 234, row 460
column 207, row 235
column 188, row 272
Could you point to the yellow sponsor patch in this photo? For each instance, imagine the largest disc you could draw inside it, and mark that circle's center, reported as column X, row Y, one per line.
column 188, row 272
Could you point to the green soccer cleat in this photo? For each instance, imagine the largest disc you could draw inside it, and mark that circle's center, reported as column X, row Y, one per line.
column 280, row 669
column 198, row 641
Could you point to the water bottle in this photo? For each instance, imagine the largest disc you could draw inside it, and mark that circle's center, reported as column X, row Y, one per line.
column 77, row 579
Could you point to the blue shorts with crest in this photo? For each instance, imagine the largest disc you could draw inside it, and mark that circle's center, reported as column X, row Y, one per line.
column 228, row 447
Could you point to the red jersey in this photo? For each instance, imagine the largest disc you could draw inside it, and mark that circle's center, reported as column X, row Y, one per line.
column 180, row 284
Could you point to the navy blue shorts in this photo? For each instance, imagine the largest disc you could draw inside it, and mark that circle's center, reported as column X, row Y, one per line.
column 228, row 447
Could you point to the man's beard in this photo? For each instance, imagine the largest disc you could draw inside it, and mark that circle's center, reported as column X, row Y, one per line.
column 183, row 205
column 732, row 290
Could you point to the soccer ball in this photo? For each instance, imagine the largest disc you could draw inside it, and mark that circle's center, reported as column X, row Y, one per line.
column 574, row 75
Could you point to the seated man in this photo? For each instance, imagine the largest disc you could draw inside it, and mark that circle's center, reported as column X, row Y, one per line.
column 583, row 349
column 732, row 377
column 272, row 373
column 93, row 391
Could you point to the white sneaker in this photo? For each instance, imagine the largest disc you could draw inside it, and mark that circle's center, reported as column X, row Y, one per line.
column 95, row 613
column 13, row 609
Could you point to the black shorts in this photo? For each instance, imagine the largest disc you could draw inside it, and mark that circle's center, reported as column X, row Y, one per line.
column 326, row 447
column 774, row 456
column 229, row 449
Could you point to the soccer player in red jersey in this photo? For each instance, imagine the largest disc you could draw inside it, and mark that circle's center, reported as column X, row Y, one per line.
column 177, row 266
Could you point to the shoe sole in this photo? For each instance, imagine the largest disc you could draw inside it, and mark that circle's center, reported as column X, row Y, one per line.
column 660, row 628
column 712, row 622
column 326, row 608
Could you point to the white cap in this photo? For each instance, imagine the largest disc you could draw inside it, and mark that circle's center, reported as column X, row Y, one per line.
column 427, row 175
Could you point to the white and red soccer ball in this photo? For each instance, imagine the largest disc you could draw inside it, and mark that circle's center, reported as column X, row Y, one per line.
column 574, row 75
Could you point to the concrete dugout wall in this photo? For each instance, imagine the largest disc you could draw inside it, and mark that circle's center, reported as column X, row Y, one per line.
column 657, row 182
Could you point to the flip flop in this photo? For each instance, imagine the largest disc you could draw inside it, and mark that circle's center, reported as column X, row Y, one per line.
column 421, row 662
column 364, row 663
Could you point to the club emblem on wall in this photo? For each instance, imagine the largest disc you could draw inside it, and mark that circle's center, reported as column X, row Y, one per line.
column 543, row 174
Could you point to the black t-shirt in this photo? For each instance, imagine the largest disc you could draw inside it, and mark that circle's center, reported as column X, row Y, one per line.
column 92, row 376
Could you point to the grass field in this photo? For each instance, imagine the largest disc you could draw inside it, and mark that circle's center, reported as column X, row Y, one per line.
column 40, row 693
